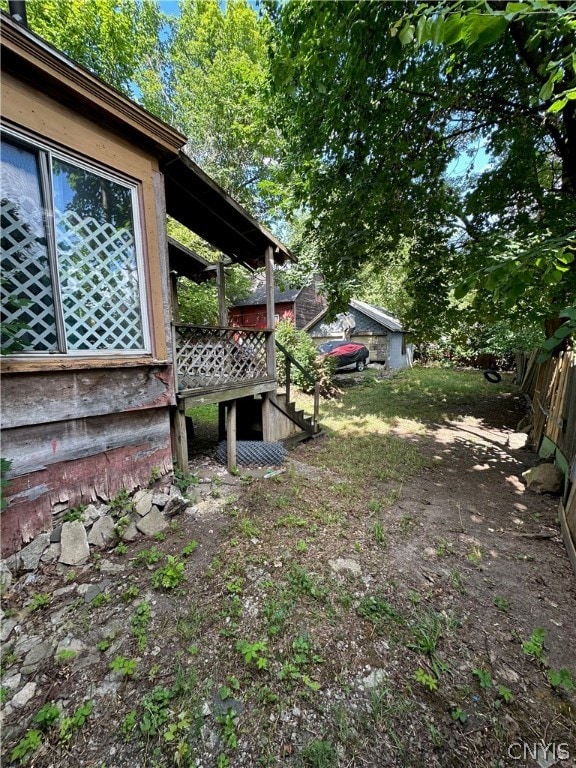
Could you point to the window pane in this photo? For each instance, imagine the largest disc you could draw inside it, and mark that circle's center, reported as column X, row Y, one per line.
column 96, row 260
column 25, row 268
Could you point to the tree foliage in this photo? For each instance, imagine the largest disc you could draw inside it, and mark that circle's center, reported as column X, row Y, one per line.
column 377, row 100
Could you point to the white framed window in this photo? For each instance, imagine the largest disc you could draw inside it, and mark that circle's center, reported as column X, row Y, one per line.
column 72, row 274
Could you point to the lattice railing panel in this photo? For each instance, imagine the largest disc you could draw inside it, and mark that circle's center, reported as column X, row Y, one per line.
column 99, row 283
column 209, row 357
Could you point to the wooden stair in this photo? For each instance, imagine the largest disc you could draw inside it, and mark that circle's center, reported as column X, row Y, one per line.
column 304, row 427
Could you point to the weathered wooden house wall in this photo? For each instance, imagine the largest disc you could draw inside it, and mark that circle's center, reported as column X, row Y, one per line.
column 80, row 427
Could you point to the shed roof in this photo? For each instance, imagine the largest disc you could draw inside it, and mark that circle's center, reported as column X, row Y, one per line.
column 377, row 314
column 187, row 263
column 192, row 197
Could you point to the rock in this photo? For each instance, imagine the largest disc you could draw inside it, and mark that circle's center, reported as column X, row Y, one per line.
column 160, row 499
column 29, row 557
column 545, row 478
column 6, row 629
column 91, row 514
column 70, row 644
column 23, row 697
column 102, row 533
column 12, row 682
column 343, row 564
column 143, row 502
column 5, row 575
column 35, row 657
column 176, row 504
column 153, row 523
column 107, row 566
column 51, row 553
column 56, row 535
column 90, row 591
column 131, row 532
column 74, row 543
column 375, row 678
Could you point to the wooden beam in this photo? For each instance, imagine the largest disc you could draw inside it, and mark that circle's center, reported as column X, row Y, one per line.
column 231, row 436
column 270, row 312
column 179, row 437
column 221, row 283
column 174, row 298
column 193, row 397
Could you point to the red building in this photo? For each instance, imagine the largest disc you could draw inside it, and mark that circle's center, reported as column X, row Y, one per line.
column 301, row 305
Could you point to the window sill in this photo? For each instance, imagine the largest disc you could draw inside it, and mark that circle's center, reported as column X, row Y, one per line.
column 41, row 364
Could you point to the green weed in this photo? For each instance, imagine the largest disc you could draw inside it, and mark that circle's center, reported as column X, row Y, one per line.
column 560, row 678
column 501, row 603
column 170, row 575
column 534, row 646
column 65, row 655
column 139, row 624
column 189, row 548
column 69, row 725
column 27, row 745
column 484, row 678
column 426, row 679
column 46, row 716
column 40, row 600
column 126, row 667
column 254, row 653
column 148, row 557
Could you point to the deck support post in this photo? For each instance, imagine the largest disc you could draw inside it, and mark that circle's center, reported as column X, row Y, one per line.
column 221, row 283
column 267, row 432
column 180, row 438
column 231, row 436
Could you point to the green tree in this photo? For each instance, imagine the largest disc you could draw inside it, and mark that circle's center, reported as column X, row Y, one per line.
column 377, row 100
column 118, row 40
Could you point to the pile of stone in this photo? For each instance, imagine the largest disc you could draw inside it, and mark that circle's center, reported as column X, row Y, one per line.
column 148, row 513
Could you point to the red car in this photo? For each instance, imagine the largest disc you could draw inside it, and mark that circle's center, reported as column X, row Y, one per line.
column 347, row 353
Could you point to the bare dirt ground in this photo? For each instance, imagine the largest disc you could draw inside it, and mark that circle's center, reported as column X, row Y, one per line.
column 324, row 620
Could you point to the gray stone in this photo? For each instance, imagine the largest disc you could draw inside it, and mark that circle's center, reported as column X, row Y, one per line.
column 102, row 533
column 107, row 566
column 343, row 564
column 153, row 523
column 545, row 478
column 51, row 553
column 176, row 504
column 36, row 656
column 29, row 557
column 6, row 629
column 131, row 532
column 160, row 499
column 23, row 697
column 64, row 590
column 26, row 642
column 74, row 542
column 5, row 575
column 56, row 535
column 70, row 644
column 375, row 678
column 12, row 682
column 91, row 514
column 93, row 590
column 143, row 502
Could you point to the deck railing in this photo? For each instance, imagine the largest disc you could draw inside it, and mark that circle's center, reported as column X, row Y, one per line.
column 211, row 357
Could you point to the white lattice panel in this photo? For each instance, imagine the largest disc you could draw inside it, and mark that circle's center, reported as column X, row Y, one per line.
column 99, row 284
column 26, row 277
column 213, row 356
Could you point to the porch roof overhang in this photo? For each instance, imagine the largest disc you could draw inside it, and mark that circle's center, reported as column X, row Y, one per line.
column 200, row 204
column 185, row 262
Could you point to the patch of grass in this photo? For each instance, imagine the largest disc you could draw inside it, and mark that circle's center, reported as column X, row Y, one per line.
column 300, row 582
column 69, row 725
column 379, row 533
column 319, row 753
column 501, row 603
column 65, row 655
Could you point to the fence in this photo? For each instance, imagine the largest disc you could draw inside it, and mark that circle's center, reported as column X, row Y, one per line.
column 551, row 387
